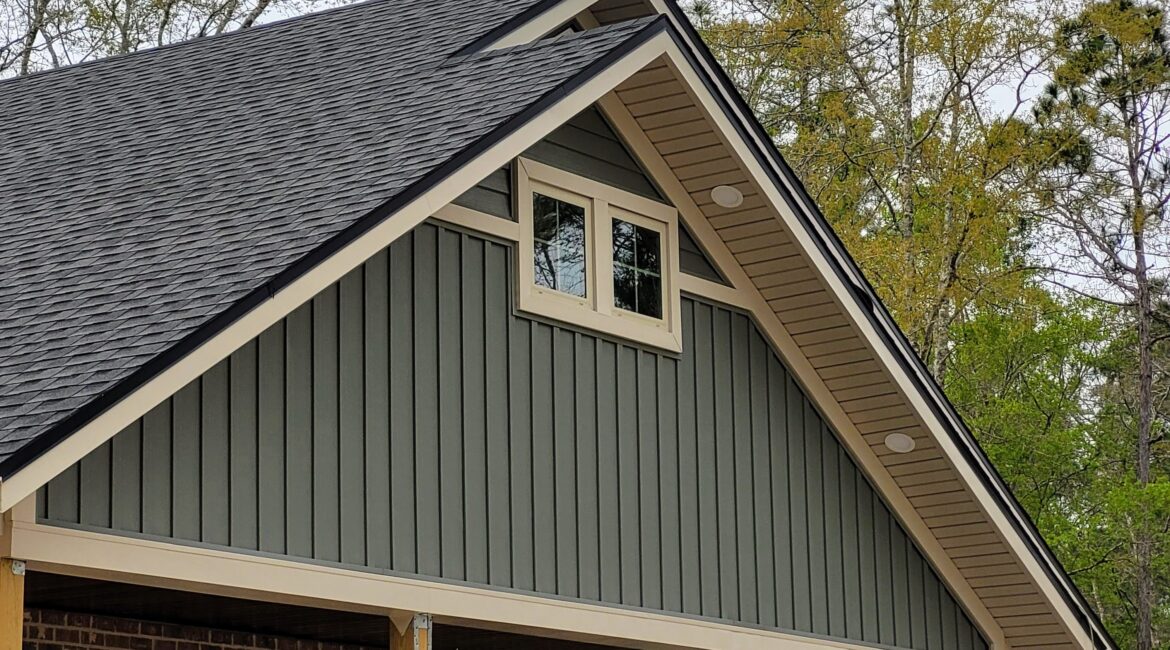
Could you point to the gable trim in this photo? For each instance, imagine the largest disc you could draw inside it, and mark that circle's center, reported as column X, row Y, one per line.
column 872, row 334
column 790, row 200
column 743, row 294
column 88, row 427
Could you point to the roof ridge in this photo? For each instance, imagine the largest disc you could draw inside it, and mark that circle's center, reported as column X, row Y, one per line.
column 262, row 28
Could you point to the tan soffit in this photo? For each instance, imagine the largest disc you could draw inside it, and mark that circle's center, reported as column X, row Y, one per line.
column 848, row 377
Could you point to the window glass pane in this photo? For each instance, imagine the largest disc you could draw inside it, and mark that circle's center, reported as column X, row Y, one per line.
column 623, row 242
column 637, row 269
column 558, row 229
column 625, row 287
column 648, row 250
column 650, row 295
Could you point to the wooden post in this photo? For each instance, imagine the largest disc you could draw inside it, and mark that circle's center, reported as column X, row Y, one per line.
column 11, row 603
column 411, row 634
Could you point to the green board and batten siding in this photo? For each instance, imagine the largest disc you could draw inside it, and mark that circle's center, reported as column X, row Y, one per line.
column 407, row 420
column 588, row 146
column 585, row 145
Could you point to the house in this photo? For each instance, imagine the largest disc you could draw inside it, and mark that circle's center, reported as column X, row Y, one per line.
column 465, row 324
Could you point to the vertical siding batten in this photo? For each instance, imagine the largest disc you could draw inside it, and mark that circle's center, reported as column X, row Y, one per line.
column 407, row 419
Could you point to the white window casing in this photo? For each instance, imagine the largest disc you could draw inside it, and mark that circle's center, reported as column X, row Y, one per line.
column 596, row 310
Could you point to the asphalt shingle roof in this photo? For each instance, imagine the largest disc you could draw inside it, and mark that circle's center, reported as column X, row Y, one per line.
column 144, row 195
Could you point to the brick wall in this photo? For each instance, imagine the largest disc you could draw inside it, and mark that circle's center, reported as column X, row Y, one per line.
column 46, row 629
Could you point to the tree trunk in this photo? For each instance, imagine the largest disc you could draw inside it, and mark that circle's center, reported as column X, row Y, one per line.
column 1143, row 536
column 36, row 21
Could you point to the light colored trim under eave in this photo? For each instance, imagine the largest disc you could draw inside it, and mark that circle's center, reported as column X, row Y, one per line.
column 71, row 449
column 777, row 201
column 542, row 24
column 744, row 294
column 1032, row 563
column 153, row 563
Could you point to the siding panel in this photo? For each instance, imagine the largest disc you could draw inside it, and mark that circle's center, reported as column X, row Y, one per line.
column 216, row 453
column 376, row 389
column 94, row 498
column 407, row 420
column 588, row 146
column 126, row 489
column 300, row 480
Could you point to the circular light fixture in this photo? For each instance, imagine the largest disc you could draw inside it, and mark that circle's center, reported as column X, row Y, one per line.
column 727, row 196
column 900, row 443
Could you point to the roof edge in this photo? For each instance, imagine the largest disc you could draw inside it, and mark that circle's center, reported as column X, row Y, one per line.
column 847, row 270
column 36, row 447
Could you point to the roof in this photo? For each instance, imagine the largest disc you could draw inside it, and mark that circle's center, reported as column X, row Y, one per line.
column 146, row 195
column 152, row 197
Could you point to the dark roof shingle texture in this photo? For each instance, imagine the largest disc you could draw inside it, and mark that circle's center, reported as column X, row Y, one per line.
column 141, row 196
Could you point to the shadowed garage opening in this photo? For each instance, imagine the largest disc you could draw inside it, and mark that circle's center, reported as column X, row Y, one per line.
column 98, row 614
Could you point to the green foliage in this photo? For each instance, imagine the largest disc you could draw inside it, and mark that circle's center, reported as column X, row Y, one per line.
column 951, row 199
column 883, row 114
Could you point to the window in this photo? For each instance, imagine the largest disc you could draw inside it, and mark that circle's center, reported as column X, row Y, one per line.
column 558, row 231
column 596, row 256
column 637, row 269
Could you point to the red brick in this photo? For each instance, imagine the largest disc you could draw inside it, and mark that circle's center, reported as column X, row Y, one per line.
column 56, row 630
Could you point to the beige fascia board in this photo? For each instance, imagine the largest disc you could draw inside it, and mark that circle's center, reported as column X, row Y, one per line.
column 458, row 215
column 542, row 24
column 744, row 294
column 778, row 202
column 586, row 19
column 206, row 570
column 71, row 449
column 934, row 423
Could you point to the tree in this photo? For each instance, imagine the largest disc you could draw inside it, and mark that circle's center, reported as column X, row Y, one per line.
column 41, row 34
column 891, row 115
column 1106, row 116
column 1003, row 241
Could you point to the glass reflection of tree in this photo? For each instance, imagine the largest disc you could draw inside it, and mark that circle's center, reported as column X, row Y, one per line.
column 637, row 267
column 559, row 246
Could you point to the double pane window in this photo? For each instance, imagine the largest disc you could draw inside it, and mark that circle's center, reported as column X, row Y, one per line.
column 596, row 256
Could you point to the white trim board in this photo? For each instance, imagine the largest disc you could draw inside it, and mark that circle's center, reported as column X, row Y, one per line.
column 205, row 570
column 542, row 24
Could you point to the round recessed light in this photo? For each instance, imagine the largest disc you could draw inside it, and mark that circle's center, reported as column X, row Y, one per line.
column 900, row 443
column 727, row 196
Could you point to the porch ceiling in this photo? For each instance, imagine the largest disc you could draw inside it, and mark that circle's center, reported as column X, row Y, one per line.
column 116, row 599
column 121, row 600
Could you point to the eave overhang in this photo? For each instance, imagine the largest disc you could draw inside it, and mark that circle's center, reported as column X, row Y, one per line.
column 670, row 35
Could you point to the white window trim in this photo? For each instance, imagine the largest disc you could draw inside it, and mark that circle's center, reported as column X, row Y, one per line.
column 602, row 204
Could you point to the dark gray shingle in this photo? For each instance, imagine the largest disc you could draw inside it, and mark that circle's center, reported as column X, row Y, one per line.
column 142, row 196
